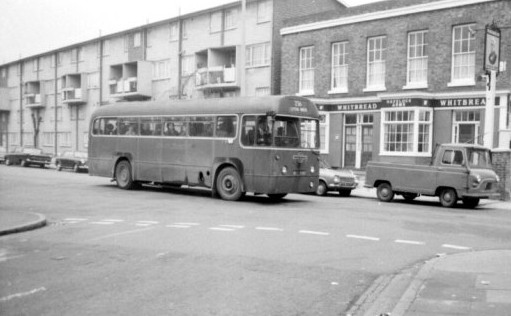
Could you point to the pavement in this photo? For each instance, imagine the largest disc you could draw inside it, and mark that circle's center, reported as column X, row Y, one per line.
column 468, row 283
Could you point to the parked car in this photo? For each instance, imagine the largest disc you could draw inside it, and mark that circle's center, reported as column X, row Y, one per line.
column 3, row 151
column 330, row 179
column 76, row 160
column 27, row 156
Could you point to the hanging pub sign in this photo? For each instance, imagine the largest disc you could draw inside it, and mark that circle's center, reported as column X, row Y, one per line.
column 492, row 48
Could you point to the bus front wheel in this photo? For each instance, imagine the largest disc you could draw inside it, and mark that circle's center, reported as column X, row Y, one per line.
column 228, row 184
column 123, row 175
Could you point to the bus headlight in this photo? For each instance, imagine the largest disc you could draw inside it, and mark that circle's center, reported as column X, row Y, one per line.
column 313, row 169
column 337, row 179
column 497, row 178
column 475, row 180
column 311, row 184
column 284, row 170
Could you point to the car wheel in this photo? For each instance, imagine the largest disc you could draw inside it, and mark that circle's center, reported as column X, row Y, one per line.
column 470, row 202
column 344, row 192
column 384, row 192
column 59, row 166
column 123, row 175
column 321, row 189
column 448, row 197
column 228, row 184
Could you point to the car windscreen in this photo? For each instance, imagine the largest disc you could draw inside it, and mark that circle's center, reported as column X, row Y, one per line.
column 479, row 158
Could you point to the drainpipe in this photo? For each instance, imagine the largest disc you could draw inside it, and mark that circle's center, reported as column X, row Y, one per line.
column 55, row 88
column 243, row 91
column 180, row 58
column 21, row 101
column 100, row 70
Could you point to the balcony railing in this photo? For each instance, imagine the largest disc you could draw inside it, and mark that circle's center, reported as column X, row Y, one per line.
column 33, row 100
column 216, row 77
column 72, row 96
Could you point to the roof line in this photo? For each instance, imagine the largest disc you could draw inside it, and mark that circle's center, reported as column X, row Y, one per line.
column 419, row 8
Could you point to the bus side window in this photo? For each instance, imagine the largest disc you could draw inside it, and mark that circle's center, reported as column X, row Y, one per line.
column 108, row 126
column 201, row 126
column 226, row 126
column 263, row 132
column 248, row 130
column 128, row 126
column 95, row 127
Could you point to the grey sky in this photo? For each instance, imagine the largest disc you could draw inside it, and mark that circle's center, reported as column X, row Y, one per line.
column 30, row 27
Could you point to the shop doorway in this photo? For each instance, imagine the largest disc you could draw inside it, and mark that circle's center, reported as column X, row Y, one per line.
column 358, row 140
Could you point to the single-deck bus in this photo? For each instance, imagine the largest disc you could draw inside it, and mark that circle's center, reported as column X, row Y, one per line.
column 265, row 145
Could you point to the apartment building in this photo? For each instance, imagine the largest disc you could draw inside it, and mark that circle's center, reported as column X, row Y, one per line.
column 394, row 78
column 230, row 50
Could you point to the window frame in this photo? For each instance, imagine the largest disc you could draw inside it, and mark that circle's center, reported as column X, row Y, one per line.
column 416, row 47
column 306, row 67
column 469, row 79
column 336, row 64
column 376, row 45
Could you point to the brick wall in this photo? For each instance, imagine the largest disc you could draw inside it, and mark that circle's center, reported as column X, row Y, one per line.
column 439, row 25
column 501, row 159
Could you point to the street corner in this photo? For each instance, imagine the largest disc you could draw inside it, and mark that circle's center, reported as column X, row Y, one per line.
column 18, row 221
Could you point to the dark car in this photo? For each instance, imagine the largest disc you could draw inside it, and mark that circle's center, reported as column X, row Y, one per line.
column 330, row 179
column 76, row 160
column 27, row 156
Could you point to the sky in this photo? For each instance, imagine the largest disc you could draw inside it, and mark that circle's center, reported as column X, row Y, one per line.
column 30, row 27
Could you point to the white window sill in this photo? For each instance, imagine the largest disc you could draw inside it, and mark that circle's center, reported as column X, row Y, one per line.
column 337, row 91
column 375, row 89
column 405, row 154
column 461, row 83
column 415, row 86
column 305, row 93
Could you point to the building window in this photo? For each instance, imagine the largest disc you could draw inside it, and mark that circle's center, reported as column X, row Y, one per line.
column 376, row 55
column 174, row 31
column 137, row 39
column 59, row 113
column 161, row 69
column 463, row 55
column 258, row 55
column 339, row 68
column 231, row 18
column 263, row 11
column 466, row 127
column 93, row 80
column 262, row 91
column 306, row 71
column 417, row 69
column 3, row 73
column 187, row 65
column 407, row 132
column 215, row 22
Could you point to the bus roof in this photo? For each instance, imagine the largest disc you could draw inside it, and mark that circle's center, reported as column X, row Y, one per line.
column 283, row 105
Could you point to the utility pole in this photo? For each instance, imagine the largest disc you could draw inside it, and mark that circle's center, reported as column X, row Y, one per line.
column 491, row 66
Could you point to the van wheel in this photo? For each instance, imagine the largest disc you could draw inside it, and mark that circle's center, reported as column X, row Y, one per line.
column 123, row 175
column 228, row 184
column 448, row 197
column 321, row 190
column 384, row 192
column 470, row 202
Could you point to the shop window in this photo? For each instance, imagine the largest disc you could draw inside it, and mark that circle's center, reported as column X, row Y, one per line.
column 466, row 127
column 407, row 132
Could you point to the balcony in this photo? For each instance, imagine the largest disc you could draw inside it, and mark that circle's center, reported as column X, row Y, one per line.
column 131, row 81
column 219, row 77
column 73, row 86
column 32, row 95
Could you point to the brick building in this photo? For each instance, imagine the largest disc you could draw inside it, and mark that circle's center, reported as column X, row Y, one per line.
column 395, row 78
column 231, row 50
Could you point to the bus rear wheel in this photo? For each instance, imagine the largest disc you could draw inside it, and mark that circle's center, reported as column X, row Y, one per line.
column 123, row 175
column 228, row 184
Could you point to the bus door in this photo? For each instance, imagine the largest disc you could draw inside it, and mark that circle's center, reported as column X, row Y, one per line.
column 150, row 149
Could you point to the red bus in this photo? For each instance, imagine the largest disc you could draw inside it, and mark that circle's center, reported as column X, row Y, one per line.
column 264, row 145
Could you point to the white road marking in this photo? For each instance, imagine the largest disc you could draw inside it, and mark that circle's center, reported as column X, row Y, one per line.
column 148, row 222
column 178, row 226
column 276, row 229
column 363, row 237
column 103, row 223
column 113, row 220
column 143, row 224
column 455, row 247
column 121, row 233
column 18, row 295
column 75, row 219
column 232, row 226
column 223, row 229
column 187, row 224
column 410, row 242
column 313, row 232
